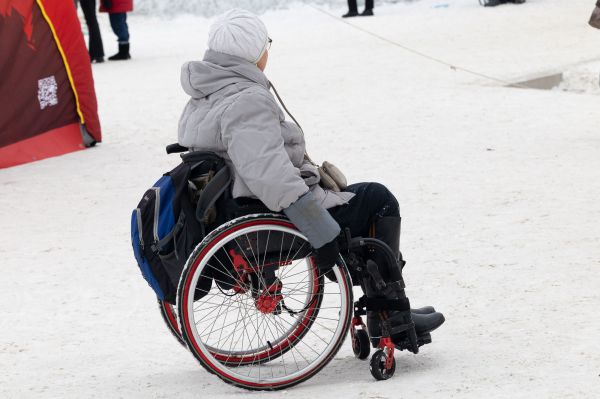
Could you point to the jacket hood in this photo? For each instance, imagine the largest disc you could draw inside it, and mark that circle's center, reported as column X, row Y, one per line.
column 200, row 79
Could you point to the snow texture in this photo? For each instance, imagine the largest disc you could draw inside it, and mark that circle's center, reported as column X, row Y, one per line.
column 214, row 7
column 498, row 189
column 582, row 79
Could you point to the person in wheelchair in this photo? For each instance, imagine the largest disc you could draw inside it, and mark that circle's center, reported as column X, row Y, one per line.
column 232, row 113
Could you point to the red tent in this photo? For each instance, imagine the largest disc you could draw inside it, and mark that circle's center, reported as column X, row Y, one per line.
column 47, row 101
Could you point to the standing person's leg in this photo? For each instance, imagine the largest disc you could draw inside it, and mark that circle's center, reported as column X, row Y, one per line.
column 352, row 9
column 118, row 23
column 95, row 47
column 368, row 8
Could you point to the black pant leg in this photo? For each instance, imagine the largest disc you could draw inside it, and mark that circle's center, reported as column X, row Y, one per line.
column 371, row 201
column 369, row 4
column 352, row 7
column 95, row 47
column 118, row 23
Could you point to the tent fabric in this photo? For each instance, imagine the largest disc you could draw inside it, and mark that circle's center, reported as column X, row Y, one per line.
column 48, row 144
column 77, row 60
column 46, row 81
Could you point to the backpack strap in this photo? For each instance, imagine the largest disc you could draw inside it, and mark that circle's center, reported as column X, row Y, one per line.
column 211, row 193
column 200, row 156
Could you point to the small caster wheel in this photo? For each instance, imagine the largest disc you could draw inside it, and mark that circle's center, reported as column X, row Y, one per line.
column 377, row 366
column 361, row 344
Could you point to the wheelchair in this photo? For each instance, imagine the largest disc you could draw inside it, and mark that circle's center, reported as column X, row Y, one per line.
column 253, row 308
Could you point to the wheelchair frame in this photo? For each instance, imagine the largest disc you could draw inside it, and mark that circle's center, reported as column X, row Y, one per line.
column 382, row 365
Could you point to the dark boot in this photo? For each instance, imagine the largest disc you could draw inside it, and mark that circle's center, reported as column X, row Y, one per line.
column 493, row 3
column 426, row 319
column 424, row 323
column 369, row 4
column 398, row 319
column 375, row 329
column 123, row 53
column 387, row 229
column 352, row 9
column 423, row 310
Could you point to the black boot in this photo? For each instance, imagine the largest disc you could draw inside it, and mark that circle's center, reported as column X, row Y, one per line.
column 426, row 319
column 423, row 310
column 493, row 3
column 352, row 9
column 368, row 12
column 387, row 229
column 398, row 319
column 424, row 324
column 123, row 53
column 350, row 14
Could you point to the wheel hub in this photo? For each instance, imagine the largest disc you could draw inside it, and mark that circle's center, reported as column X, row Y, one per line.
column 269, row 300
column 267, row 303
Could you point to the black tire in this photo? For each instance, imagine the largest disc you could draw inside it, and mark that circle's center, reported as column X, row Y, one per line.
column 210, row 354
column 361, row 344
column 377, row 366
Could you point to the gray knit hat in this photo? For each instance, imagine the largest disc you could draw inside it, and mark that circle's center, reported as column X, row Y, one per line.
column 239, row 33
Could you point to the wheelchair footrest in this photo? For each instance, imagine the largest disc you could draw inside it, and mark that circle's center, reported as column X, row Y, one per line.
column 405, row 344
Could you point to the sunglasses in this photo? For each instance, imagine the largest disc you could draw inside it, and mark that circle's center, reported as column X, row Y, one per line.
column 269, row 43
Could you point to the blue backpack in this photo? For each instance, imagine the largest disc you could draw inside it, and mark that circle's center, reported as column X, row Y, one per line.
column 173, row 217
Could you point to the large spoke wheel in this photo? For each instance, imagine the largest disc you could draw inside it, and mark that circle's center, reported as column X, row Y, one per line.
column 255, row 311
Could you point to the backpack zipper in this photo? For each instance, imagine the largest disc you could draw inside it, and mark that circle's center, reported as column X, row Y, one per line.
column 138, row 216
column 156, row 216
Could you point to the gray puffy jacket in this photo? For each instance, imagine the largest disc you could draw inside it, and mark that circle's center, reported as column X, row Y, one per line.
column 232, row 113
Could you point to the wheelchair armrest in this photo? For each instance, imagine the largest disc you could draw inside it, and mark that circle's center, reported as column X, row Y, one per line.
column 202, row 156
column 176, row 148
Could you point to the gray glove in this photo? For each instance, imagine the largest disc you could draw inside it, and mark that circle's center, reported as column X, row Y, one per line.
column 313, row 220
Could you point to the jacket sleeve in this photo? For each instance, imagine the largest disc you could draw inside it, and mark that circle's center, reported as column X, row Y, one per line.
column 252, row 135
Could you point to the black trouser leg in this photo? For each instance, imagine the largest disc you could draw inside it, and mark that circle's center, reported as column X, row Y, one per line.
column 95, row 47
column 352, row 7
column 373, row 212
column 369, row 4
column 372, row 201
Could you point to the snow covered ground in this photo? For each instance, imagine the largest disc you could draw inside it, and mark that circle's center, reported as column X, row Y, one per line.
column 499, row 192
column 582, row 79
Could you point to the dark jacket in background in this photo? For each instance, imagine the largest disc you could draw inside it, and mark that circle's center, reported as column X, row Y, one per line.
column 95, row 47
column 116, row 6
